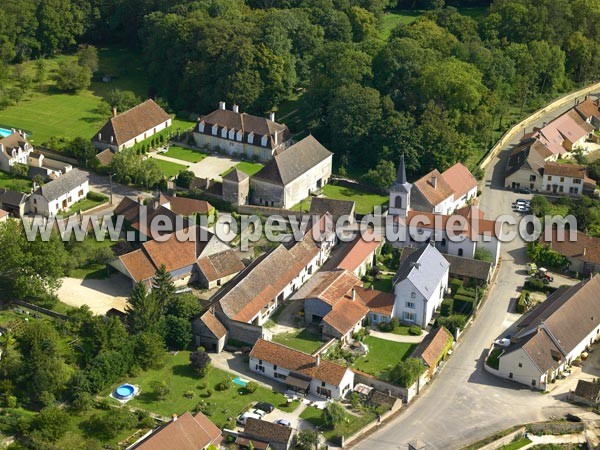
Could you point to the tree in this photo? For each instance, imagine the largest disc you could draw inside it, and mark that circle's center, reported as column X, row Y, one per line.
column 305, row 439
column 106, row 425
column 72, row 77
column 335, row 414
column 200, row 362
column 82, row 149
column 122, row 100
column 19, row 170
column 150, row 350
column 483, row 254
column 184, row 305
column 163, row 288
column 185, row 178
column 161, row 389
column 383, row 175
column 40, row 71
column 51, row 423
column 178, row 332
column 143, row 310
column 87, row 56
column 407, row 372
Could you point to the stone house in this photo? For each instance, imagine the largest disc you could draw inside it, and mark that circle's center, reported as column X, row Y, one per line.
column 59, row 195
column 240, row 134
column 210, row 332
column 420, row 285
column 236, row 187
column 565, row 179
column 14, row 149
column 132, row 126
column 292, row 175
column 300, row 371
column 14, row 202
column 265, row 434
column 217, row 269
column 553, row 335
column 583, row 253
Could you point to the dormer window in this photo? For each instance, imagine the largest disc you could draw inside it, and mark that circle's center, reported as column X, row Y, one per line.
column 250, row 138
column 231, row 134
column 201, row 126
column 224, row 132
column 215, row 128
column 263, row 141
column 239, row 135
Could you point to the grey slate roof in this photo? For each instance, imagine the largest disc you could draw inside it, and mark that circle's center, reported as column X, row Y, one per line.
column 337, row 208
column 401, row 184
column 293, row 162
column 12, row 198
column 236, row 175
column 65, row 183
column 469, row 267
column 424, row 268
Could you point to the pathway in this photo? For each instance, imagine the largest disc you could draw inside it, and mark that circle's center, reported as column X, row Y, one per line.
column 397, row 337
column 210, row 167
column 551, row 439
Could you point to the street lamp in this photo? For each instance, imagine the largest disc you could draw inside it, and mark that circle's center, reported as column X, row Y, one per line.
column 110, row 175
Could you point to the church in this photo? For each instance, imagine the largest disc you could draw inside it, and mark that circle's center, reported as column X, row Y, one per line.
column 460, row 234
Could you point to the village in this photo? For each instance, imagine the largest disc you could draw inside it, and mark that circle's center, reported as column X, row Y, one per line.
column 340, row 335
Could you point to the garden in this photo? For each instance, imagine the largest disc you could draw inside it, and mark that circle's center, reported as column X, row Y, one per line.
column 168, row 168
column 456, row 308
column 177, row 387
column 185, row 154
column 15, row 183
column 382, row 357
column 92, row 200
column 365, row 201
column 304, row 340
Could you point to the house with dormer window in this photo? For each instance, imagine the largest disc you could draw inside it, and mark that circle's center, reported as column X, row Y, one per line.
column 241, row 134
column 14, row 149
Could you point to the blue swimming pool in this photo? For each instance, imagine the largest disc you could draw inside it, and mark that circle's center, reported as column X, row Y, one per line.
column 4, row 132
column 125, row 392
column 240, row 381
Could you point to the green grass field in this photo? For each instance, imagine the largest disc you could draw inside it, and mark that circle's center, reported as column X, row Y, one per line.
column 83, row 205
column 391, row 20
column 348, row 427
column 45, row 112
column 249, row 168
column 8, row 181
column 185, row 154
column 383, row 355
column 181, row 378
column 169, row 168
column 520, row 443
column 365, row 202
column 302, row 340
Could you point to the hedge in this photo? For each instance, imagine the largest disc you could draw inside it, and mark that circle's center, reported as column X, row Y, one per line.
column 463, row 304
column 535, row 284
column 455, row 285
column 446, row 308
column 467, row 292
column 522, row 303
column 95, row 196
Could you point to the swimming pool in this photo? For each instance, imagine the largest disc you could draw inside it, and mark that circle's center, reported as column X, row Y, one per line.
column 240, row 381
column 4, row 132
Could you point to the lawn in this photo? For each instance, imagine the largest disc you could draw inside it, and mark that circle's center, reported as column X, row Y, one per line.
column 391, row 20
column 517, row 444
column 347, row 428
column 494, row 358
column 248, row 168
column 45, row 112
column 384, row 283
column 383, row 355
column 83, row 205
column 302, row 340
column 9, row 181
column 181, row 378
column 365, row 202
column 169, row 169
column 185, row 154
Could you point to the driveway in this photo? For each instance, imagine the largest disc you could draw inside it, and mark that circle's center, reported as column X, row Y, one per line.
column 99, row 295
column 210, row 167
column 465, row 403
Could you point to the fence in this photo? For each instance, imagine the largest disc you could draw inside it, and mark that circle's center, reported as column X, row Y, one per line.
column 39, row 309
column 53, row 154
column 518, row 128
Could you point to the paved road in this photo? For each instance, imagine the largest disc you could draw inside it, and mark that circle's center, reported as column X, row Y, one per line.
column 465, row 403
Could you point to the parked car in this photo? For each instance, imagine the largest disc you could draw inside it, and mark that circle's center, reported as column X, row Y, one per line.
column 523, row 209
column 524, row 190
column 284, row 422
column 259, row 412
column 243, row 418
column 523, row 201
column 504, row 342
column 264, row 406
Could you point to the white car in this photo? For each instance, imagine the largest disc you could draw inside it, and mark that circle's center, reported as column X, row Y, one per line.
column 504, row 342
column 259, row 412
column 243, row 418
column 523, row 209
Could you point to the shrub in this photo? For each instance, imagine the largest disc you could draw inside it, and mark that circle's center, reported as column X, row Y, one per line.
column 446, row 308
column 189, row 394
column 452, row 322
column 252, row 386
column 463, row 304
column 524, row 302
column 407, row 372
column 467, row 292
column 209, row 392
column 394, row 323
column 385, row 327
column 455, row 284
column 97, row 197
column 415, row 330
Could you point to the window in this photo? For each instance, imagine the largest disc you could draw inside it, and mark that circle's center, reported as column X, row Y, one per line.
column 410, row 305
column 398, row 202
column 409, row 316
column 561, row 188
column 323, row 391
column 80, row 194
column 573, row 190
column 322, row 383
column 548, row 187
column 549, row 177
column 533, row 382
column 413, row 295
column 460, row 252
column 275, row 367
column 260, row 368
column 443, row 242
column 510, row 375
column 520, row 364
column 562, row 179
column 531, row 177
column 280, row 376
column 577, row 181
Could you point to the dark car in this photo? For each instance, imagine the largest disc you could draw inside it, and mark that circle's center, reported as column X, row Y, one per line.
column 524, row 190
column 264, row 406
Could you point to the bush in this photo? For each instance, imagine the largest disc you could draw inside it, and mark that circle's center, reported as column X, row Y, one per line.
column 252, row 386
column 415, row 330
column 96, row 197
column 456, row 321
column 455, row 285
column 463, row 304
column 407, row 372
column 385, row 327
column 467, row 292
column 224, row 385
column 446, row 308
column 524, row 302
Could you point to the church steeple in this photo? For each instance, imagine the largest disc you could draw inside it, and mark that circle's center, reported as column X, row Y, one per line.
column 400, row 192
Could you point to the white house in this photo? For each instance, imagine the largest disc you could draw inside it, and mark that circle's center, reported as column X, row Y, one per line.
column 59, row 195
column 300, row 371
column 14, row 149
column 132, row 126
column 241, row 134
column 291, row 176
column 420, row 285
column 564, row 179
column 554, row 334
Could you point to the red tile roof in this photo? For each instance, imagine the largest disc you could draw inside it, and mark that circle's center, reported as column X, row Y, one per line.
column 439, row 221
column 186, row 433
column 185, row 206
column 437, row 194
column 565, row 170
column 460, row 180
column 359, row 250
column 433, row 345
column 213, row 324
column 328, row 286
column 139, row 266
column 584, row 248
column 297, row 361
column 132, row 123
column 220, row 265
column 377, row 301
column 173, row 253
column 345, row 315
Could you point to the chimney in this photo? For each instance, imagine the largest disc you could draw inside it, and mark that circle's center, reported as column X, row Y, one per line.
column 236, row 109
column 318, row 360
column 276, row 137
column 353, row 294
column 141, row 200
column 114, row 112
column 584, row 250
column 221, row 105
column 174, row 417
column 272, row 116
column 434, row 182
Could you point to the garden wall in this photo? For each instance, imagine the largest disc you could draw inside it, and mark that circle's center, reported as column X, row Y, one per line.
column 267, row 211
column 505, row 440
column 39, row 309
column 406, row 394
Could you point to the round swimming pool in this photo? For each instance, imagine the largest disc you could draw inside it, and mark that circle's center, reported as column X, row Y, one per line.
column 125, row 392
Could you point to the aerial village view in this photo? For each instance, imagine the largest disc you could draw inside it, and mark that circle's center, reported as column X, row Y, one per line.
column 299, row 224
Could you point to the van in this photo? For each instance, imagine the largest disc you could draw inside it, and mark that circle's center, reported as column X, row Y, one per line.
column 247, row 415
